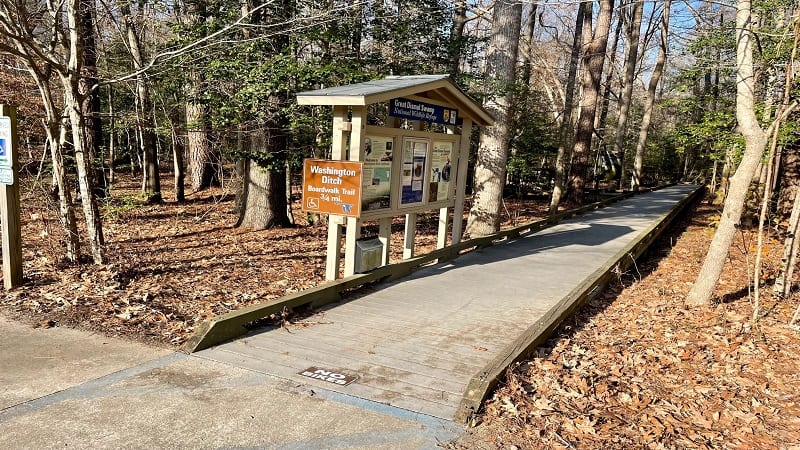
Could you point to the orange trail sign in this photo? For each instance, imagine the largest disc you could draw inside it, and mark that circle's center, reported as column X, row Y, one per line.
column 332, row 187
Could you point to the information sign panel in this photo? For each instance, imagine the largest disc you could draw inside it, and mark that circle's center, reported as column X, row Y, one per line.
column 377, row 177
column 6, row 162
column 441, row 171
column 416, row 110
column 415, row 161
column 5, row 141
column 332, row 187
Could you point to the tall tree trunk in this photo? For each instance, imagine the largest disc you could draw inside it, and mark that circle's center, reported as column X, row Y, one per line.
column 151, row 183
column 56, row 131
column 609, row 84
column 593, row 73
column 112, row 133
column 565, row 132
column 755, row 141
column 490, row 168
column 650, row 99
column 632, row 31
column 91, row 212
column 457, row 36
column 178, row 166
column 70, row 80
column 204, row 163
column 90, row 95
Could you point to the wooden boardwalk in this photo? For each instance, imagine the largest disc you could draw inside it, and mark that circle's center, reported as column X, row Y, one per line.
column 416, row 343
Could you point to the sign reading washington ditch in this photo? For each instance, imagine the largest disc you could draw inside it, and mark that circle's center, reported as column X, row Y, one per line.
column 332, row 187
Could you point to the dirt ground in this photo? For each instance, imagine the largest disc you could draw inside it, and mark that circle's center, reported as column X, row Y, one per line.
column 637, row 368
column 634, row 368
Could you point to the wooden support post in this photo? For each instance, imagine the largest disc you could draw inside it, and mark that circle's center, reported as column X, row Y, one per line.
column 444, row 218
column 9, row 199
column 341, row 130
column 385, row 237
column 409, row 235
column 353, row 231
column 334, row 250
column 461, row 180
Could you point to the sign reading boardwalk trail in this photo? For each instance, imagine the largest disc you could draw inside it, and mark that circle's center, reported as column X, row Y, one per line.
column 332, row 187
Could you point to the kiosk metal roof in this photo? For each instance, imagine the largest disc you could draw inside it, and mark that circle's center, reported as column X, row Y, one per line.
column 432, row 88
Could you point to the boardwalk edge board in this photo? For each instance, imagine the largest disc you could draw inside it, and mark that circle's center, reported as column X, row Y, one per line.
column 487, row 379
column 232, row 325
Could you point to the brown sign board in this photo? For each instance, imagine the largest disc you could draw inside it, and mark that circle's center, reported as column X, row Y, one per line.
column 332, row 187
column 331, row 376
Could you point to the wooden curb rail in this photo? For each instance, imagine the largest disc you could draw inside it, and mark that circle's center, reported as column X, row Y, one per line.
column 233, row 324
column 484, row 381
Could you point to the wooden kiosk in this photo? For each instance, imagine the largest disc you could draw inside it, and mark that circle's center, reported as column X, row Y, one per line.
column 413, row 162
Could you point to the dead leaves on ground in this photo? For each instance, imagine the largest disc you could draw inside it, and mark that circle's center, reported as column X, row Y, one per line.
column 638, row 369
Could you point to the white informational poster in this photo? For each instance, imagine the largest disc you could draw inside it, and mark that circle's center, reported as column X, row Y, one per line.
column 441, row 171
column 377, row 173
column 415, row 160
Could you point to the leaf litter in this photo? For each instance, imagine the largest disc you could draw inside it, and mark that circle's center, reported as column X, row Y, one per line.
column 636, row 368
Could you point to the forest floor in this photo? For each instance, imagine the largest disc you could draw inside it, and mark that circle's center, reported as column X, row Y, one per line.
column 635, row 367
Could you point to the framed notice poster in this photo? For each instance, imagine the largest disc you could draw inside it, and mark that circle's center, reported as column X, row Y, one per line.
column 377, row 173
column 441, row 171
column 414, row 170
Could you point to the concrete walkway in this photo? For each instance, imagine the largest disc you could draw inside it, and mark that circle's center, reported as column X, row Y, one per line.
column 62, row 388
column 411, row 345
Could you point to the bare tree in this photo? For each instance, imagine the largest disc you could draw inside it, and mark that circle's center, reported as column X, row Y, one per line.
column 490, row 168
column 134, row 26
column 650, row 99
column 204, row 163
column 593, row 73
column 633, row 24
column 755, row 140
column 49, row 40
column 565, row 135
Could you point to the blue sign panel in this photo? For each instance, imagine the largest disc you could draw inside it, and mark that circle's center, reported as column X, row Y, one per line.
column 426, row 112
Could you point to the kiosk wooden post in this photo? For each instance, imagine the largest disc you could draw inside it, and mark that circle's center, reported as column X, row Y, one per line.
column 461, row 181
column 357, row 121
column 341, row 131
column 9, row 198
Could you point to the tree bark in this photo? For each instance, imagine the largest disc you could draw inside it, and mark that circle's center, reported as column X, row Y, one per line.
column 204, row 170
column 490, row 168
column 151, row 182
column 178, row 166
column 457, row 36
column 755, row 142
column 90, row 98
column 632, row 31
column 593, row 72
column 650, row 99
column 565, row 142
column 264, row 201
column 91, row 212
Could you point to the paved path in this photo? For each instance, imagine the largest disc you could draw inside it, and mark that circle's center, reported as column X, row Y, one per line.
column 63, row 388
column 416, row 343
